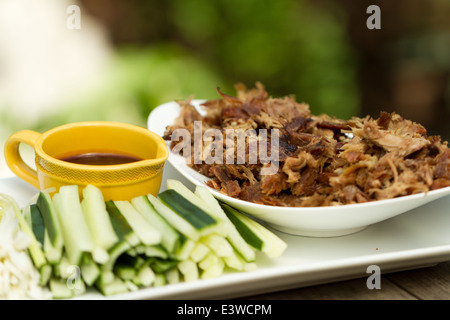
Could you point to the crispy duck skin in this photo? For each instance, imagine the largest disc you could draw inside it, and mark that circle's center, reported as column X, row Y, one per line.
column 322, row 161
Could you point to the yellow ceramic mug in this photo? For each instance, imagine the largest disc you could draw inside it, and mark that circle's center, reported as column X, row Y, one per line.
column 117, row 182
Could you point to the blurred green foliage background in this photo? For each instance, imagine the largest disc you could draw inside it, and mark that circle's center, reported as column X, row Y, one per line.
column 318, row 50
column 174, row 49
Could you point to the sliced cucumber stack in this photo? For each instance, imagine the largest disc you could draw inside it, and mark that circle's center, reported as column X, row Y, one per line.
column 121, row 246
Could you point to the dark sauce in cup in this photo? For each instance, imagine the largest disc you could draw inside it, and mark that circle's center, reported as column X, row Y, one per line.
column 100, row 159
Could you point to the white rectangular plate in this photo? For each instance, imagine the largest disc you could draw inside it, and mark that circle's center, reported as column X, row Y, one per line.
column 419, row 238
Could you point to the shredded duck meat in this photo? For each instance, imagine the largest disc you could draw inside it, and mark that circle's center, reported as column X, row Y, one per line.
column 322, row 161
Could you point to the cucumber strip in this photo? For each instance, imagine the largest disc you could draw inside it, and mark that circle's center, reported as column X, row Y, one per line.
column 36, row 253
column 37, row 223
column 173, row 276
column 146, row 276
column 184, row 249
column 214, row 272
column 45, row 273
column 245, row 231
column 120, row 225
column 131, row 286
column 64, row 268
column 156, row 252
column 203, row 222
column 234, row 237
column 186, row 209
column 160, row 280
column 209, row 261
column 76, row 235
column 212, row 266
column 124, row 272
column 100, row 255
column 137, row 281
column 161, row 266
column 26, row 213
column 218, row 244
column 140, row 249
column 199, row 252
column 132, row 252
column 189, row 270
column 79, row 288
column 133, row 262
column 49, row 215
column 143, row 229
column 116, row 286
column 256, row 234
column 185, row 192
column 97, row 218
column 250, row 266
column 106, row 276
column 52, row 253
column 114, row 254
column 234, row 262
column 274, row 246
column 59, row 289
column 169, row 236
column 175, row 220
column 90, row 271
column 34, row 218
column 55, row 271
column 238, row 263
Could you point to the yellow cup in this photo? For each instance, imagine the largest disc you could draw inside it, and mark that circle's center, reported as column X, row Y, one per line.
column 117, row 182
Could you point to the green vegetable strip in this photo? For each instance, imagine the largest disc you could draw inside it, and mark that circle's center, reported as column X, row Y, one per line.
column 193, row 214
column 250, row 237
column 120, row 225
column 37, row 223
column 43, row 203
column 161, row 266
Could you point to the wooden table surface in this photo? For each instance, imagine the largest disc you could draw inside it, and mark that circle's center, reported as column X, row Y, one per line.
column 430, row 283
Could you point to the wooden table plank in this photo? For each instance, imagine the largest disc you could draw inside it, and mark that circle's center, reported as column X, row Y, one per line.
column 355, row 289
column 431, row 283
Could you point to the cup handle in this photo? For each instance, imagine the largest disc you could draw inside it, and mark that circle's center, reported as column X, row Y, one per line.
column 14, row 159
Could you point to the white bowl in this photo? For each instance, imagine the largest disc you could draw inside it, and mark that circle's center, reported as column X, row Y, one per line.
column 305, row 221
